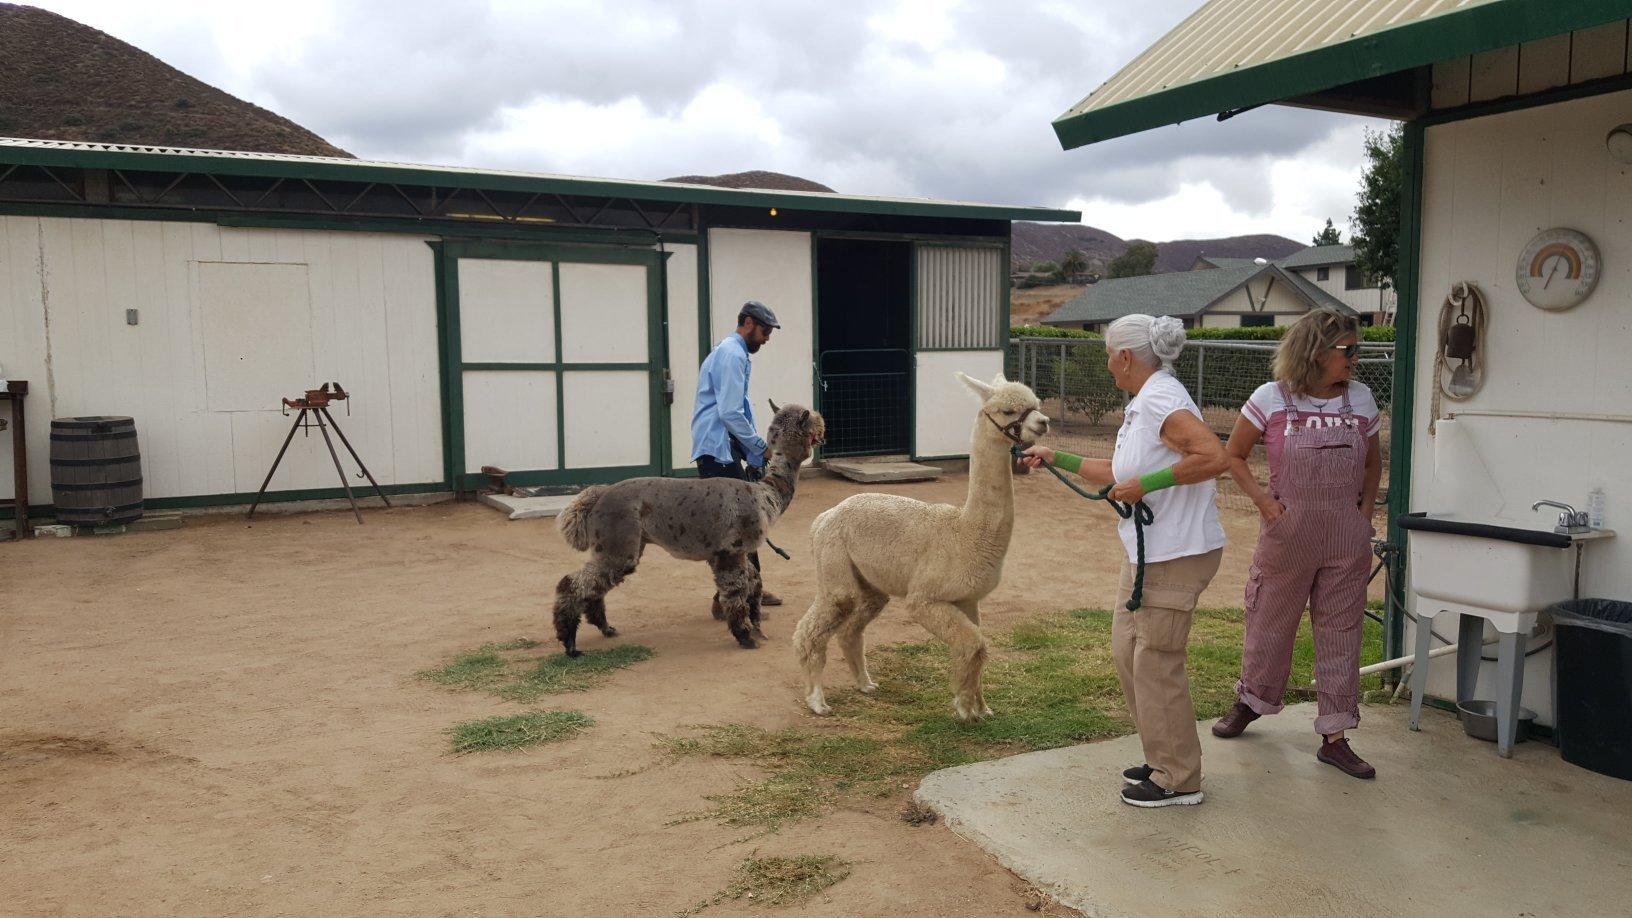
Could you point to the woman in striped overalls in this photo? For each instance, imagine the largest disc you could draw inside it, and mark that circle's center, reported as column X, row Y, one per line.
column 1319, row 429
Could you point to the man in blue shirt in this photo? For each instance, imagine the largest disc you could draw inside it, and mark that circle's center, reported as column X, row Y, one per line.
column 723, row 434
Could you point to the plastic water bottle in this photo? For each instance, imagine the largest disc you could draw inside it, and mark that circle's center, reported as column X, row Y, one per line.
column 1595, row 507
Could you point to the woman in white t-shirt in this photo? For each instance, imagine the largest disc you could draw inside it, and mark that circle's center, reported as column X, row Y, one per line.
column 1319, row 428
column 1168, row 457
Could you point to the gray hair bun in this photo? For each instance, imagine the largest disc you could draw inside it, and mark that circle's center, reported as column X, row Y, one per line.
column 1167, row 338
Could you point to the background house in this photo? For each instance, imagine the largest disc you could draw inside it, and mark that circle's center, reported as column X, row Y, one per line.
column 1225, row 293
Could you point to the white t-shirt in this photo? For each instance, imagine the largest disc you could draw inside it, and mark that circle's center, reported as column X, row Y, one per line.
column 1266, row 410
column 1186, row 515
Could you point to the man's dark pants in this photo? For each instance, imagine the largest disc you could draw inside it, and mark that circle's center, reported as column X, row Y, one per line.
column 709, row 467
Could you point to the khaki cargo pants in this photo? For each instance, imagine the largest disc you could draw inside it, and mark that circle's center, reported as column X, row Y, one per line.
column 1148, row 647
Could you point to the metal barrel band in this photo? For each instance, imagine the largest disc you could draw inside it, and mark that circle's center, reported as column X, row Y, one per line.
column 1140, row 513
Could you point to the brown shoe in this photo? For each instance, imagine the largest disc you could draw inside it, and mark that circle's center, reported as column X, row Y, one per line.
column 1235, row 721
column 1341, row 757
column 767, row 598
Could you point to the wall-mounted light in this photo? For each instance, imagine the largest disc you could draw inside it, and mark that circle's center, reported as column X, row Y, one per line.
column 1619, row 143
column 773, row 211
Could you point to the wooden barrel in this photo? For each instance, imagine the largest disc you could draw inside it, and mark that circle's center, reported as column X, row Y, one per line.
column 96, row 471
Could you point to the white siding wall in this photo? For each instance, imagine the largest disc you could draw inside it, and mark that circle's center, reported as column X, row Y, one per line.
column 1490, row 184
column 65, row 285
column 1561, row 60
column 773, row 267
column 683, row 359
column 946, row 408
column 1366, row 299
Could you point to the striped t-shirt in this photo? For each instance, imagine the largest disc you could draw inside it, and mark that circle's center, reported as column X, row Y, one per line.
column 1266, row 410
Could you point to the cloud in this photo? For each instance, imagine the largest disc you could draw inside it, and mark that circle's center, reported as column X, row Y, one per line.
column 932, row 98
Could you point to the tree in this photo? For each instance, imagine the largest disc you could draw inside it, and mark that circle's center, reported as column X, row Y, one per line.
column 1329, row 235
column 1138, row 260
column 1044, row 267
column 1376, row 236
column 1074, row 263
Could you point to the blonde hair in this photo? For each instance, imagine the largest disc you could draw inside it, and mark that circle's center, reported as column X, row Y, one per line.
column 1155, row 341
column 1297, row 359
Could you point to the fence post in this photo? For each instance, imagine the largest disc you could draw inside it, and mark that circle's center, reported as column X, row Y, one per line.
column 1201, row 378
column 1062, row 385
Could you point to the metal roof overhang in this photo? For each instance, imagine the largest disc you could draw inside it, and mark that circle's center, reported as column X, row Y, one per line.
column 1220, row 60
column 21, row 151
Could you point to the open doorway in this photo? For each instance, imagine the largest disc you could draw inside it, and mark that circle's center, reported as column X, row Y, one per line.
column 864, row 345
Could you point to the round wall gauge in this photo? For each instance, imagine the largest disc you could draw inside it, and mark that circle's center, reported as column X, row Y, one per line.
column 1558, row 269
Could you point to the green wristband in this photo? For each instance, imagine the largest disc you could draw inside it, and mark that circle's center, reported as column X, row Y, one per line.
column 1156, row 481
column 1071, row 462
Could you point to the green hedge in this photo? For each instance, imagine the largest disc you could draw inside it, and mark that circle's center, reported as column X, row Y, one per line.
column 1383, row 333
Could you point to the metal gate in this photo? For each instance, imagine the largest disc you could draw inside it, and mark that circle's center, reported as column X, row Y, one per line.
column 865, row 397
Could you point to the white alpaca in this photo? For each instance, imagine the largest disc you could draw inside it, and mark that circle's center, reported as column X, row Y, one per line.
column 937, row 560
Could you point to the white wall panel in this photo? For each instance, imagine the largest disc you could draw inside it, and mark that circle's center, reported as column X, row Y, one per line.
column 683, row 359
column 607, row 420
column 946, row 409
column 774, row 268
column 603, row 313
column 506, row 311
column 510, row 419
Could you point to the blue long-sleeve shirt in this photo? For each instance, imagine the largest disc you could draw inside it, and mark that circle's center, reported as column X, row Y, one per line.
column 723, row 411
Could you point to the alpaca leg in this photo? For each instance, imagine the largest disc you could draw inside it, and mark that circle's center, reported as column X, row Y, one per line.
column 733, row 579
column 971, row 610
column 582, row 594
column 853, row 641
column 755, row 591
column 968, row 651
column 810, row 639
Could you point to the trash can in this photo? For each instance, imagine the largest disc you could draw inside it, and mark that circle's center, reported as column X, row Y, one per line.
column 1593, row 663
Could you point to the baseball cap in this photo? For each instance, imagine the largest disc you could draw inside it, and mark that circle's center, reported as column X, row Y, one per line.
column 759, row 312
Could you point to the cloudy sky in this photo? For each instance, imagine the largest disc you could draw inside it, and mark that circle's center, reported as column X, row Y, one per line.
column 931, row 98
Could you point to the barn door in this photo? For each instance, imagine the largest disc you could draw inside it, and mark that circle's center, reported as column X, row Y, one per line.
column 555, row 363
column 961, row 316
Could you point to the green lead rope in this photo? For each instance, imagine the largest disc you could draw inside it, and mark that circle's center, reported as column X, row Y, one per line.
column 1140, row 513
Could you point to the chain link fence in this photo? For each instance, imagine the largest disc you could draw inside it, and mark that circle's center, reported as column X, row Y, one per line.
column 1078, row 395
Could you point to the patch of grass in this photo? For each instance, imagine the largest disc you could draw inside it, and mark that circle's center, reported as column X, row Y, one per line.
column 500, row 669
column 778, row 881
column 518, row 731
column 1050, row 681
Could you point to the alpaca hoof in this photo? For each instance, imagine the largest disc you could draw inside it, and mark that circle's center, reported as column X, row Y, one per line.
column 609, row 631
column 747, row 643
column 867, row 688
column 968, row 712
column 574, row 652
column 760, row 635
column 818, row 706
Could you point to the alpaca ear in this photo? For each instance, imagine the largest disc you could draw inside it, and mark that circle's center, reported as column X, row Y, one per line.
column 804, row 416
column 979, row 388
column 774, row 409
column 998, row 380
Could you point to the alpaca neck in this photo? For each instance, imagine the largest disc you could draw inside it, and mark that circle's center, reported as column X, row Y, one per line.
column 990, row 505
column 781, row 478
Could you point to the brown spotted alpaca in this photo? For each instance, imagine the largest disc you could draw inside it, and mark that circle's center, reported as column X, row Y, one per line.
column 718, row 520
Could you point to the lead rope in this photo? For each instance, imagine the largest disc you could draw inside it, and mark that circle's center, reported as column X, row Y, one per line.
column 1140, row 513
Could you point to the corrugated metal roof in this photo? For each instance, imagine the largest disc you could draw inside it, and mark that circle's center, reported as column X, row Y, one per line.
column 1234, row 54
column 25, row 151
column 1178, row 293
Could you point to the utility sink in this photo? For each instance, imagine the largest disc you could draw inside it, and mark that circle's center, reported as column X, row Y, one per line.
column 1492, row 564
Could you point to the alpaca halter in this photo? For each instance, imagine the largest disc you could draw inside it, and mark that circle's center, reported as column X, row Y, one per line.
column 1012, row 429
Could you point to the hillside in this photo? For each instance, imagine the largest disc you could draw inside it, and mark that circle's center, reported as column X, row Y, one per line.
column 1035, row 242
column 67, row 81
column 776, row 181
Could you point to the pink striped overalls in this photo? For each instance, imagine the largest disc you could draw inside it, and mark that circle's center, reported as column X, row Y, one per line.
column 1316, row 554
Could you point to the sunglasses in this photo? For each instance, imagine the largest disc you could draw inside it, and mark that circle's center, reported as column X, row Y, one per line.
column 1349, row 351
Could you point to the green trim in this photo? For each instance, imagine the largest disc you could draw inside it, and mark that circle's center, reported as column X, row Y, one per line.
column 96, row 156
column 705, row 334
column 657, row 413
column 543, row 250
column 558, row 367
column 912, row 378
column 453, row 381
column 1419, row 43
column 1006, row 319
column 471, row 481
column 820, row 453
column 1403, row 399
column 1617, row 83
column 560, row 381
column 271, row 497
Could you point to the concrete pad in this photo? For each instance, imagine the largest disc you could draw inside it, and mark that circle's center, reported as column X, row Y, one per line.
column 527, row 508
column 1447, row 827
column 876, row 472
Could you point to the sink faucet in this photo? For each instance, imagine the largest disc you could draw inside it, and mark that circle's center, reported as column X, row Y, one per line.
column 1571, row 520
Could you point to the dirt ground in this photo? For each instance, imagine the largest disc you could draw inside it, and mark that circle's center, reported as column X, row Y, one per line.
column 225, row 719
